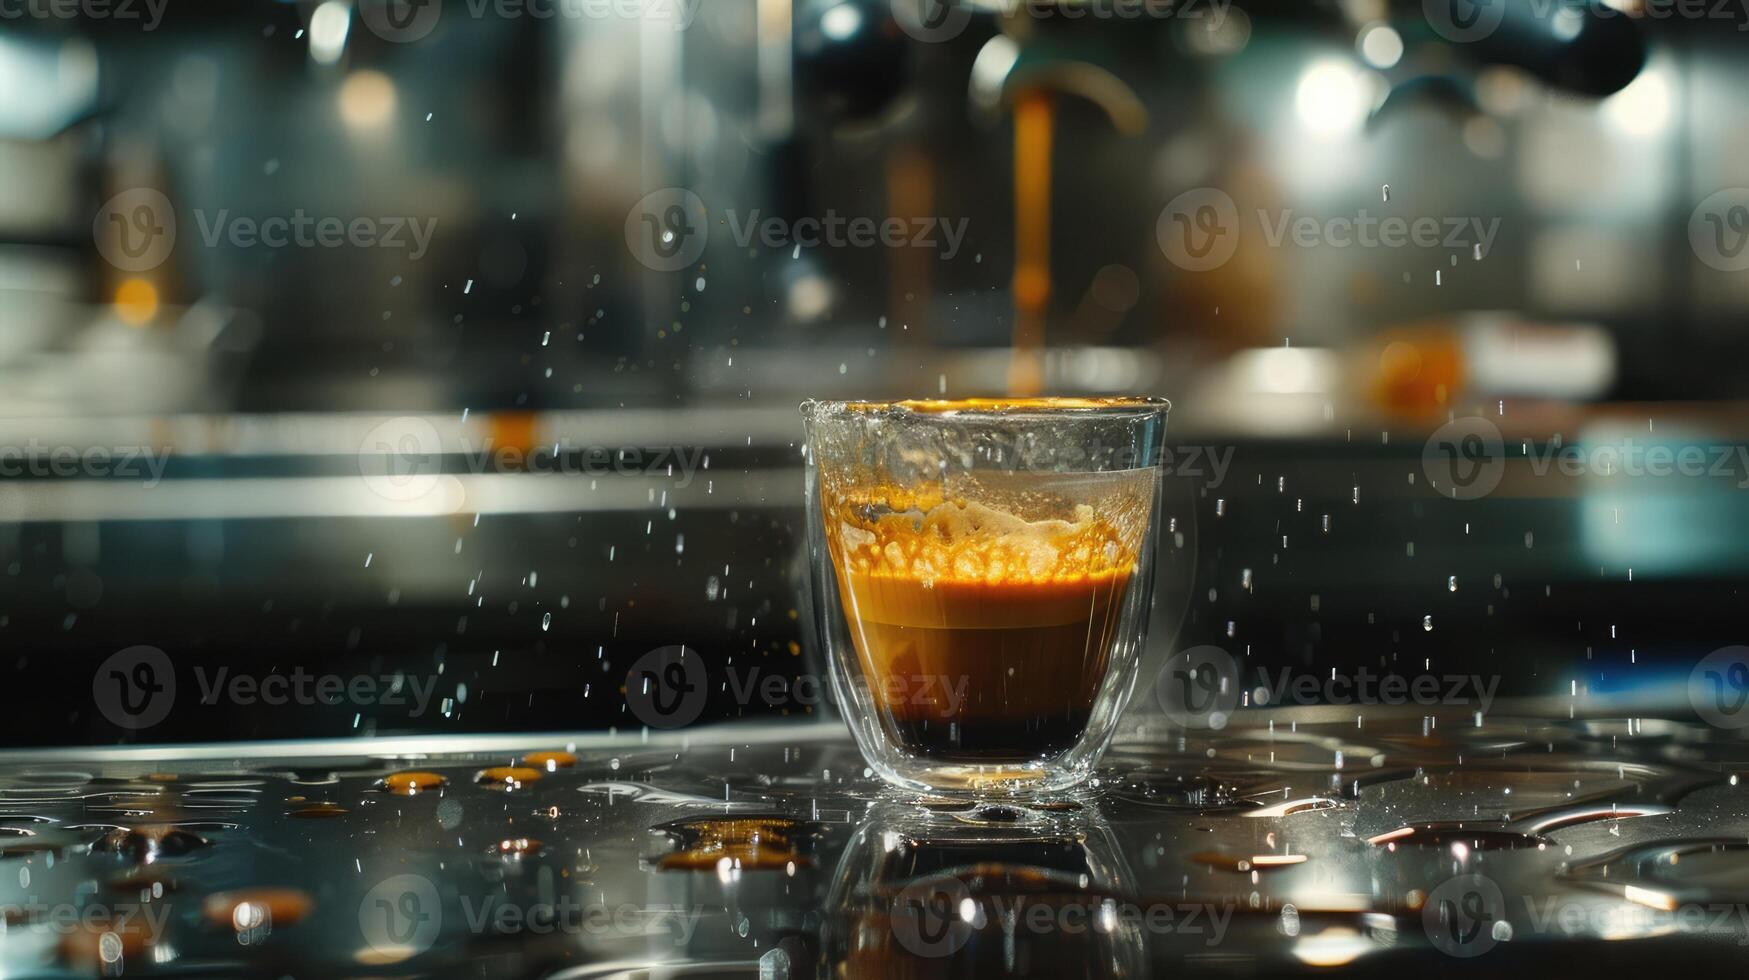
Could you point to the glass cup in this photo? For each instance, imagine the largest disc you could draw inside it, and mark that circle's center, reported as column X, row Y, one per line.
column 949, row 893
column 982, row 576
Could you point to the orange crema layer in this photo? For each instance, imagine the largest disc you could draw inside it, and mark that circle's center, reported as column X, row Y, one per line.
column 930, row 562
column 939, row 542
column 959, row 605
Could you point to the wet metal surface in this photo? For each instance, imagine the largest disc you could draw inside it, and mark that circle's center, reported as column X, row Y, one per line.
column 1298, row 845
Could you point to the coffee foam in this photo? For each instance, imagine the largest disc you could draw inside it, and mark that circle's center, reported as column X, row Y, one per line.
column 967, row 541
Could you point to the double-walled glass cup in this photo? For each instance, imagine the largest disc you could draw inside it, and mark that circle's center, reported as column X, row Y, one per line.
column 982, row 572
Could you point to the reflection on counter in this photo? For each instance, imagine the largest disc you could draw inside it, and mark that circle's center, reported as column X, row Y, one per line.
column 1285, row 848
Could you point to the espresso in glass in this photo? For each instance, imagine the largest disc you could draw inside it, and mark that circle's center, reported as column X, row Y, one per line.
column 989, row 592
column 984, row 635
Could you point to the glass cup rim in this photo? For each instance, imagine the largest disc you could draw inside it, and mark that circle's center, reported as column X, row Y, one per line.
column 986, row 409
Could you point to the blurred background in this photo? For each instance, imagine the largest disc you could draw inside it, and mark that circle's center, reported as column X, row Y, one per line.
column 459, row 342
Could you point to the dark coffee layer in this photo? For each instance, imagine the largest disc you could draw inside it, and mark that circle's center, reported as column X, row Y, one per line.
column 989, row 740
